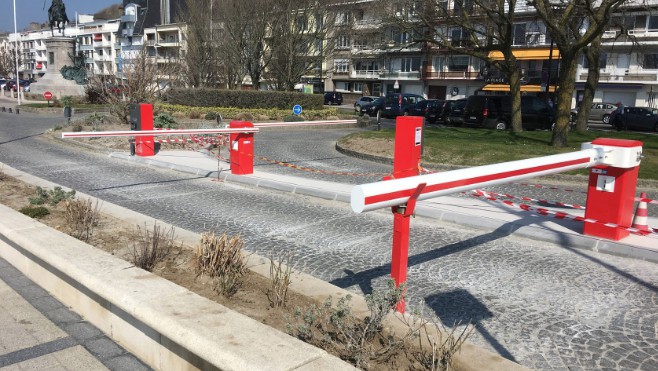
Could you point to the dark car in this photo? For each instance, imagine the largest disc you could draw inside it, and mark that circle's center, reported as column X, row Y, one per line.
column 362, row 101
column 638, row 118
column 11, row 85
column 495, row 111
column 430, row 109
column 373, row 108
column 454, row 112
column 400, row 104
column 333, row 98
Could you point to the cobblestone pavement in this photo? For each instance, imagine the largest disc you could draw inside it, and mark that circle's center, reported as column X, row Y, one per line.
column 545, row 306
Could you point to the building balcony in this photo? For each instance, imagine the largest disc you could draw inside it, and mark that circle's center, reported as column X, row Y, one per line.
column 149, row 42
column 364, row 74
column 450, row 75
column 411, row 75
column 626, row 77
column 85, row 47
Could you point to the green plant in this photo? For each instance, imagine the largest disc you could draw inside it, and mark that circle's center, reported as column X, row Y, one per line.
column 67, row 101
column 82, row 218
column 211, row 116
column 165, row 120
column 325, row 325
column 57, row 128
column 149, row 248
column 292, row 118
column 95, row 120
column 53, row 197
column 280, row 280
column 34, row 212
column 76, row 128
column 221, row 258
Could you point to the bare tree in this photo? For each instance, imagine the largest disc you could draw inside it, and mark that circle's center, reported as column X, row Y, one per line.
column 8, row 62
column 136, row 83
column 202, row 63
column 478, row 28
column 299, row 40
column 573, row 25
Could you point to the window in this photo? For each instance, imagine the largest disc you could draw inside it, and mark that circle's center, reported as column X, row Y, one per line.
column 341, row 65
column 342, row 86
column 343, row 42
column 458, row 63
column 458, row 37
column 51, row 57
column 410, row 64
column 652, row 24
column 519, row 34
column 650, row 61
column 603, row 60
column 358, row 87
column 343, row 17
column 301, row 23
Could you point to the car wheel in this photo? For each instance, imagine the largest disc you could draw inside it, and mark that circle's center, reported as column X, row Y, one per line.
column 606, row 119
column 501, row 125
column 447, row 122
column 357, row 108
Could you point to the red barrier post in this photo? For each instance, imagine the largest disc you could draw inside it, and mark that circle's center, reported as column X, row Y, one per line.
column 611, row 190
column 144, row 144
column 242, row 149
column 406, row 163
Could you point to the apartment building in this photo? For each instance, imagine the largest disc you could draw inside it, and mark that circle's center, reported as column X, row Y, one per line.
column 97, row 40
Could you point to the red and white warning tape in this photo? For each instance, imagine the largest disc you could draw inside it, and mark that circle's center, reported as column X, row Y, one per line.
column 554, row 203
column 560, row 215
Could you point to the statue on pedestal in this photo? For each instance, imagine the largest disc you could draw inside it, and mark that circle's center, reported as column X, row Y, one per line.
column 57, row 16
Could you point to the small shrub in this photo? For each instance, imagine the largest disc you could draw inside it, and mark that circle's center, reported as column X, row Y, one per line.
column 221, row 258
column 194, row 114
column 35, row 212
column 3, row 176
column 57, row 128
column 292, row 118
column 210, row 116
column 95, row 120
column 53, row 197
column 149, row 248
column 76, row 128
column 245, row 116
column 165, row 120
column 82, row 218
column 338, row 327
column 67, row 101
column 280, row 280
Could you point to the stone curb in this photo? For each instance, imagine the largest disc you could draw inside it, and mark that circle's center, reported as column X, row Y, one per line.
column 131, row 315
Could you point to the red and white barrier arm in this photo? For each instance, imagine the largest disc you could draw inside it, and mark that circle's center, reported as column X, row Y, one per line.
column 553, row 203
column 134, row 133
column 303, row 123
column 372, row 196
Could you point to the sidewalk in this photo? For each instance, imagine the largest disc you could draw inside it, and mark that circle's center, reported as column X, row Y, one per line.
column 473, row 212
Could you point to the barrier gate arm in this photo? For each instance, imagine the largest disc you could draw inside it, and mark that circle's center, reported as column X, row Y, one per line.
column 132, row 133
column 372, row 196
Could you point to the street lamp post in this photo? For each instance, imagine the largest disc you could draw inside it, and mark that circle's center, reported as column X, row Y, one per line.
column 18, row 85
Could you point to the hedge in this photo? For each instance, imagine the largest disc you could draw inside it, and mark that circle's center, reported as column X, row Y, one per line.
column 259, row 114
column 204, row 97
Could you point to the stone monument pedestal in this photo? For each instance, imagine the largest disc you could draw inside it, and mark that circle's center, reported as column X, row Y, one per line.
column 59, row 49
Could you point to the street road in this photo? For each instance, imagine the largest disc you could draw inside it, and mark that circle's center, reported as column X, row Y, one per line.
column 545, row 306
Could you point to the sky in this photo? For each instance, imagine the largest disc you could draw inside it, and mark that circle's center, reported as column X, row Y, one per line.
column 33, row 11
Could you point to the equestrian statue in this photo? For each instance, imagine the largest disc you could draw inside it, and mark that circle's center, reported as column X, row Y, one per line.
column 57, row 16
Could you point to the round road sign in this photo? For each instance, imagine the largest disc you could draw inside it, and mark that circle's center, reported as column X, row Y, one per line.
column 48, row 95
column 297, row 109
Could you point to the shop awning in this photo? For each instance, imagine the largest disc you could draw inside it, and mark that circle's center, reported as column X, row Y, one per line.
column 528, row 54
column 524, row 88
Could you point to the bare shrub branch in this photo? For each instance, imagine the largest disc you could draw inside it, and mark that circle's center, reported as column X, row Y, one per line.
column 82, row 217
column 149, row 248
column 280, row 280
column 221, row 258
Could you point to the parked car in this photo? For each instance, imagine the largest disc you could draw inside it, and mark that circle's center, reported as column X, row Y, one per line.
column 373, row 108
column 495, row 111
column 600, row 111
column 400, row 104
column 3, row 83
column 454, row 112
column 11, row 84
column 430, row 109
column 638, row 118
column 361, row 101
column 333, row 98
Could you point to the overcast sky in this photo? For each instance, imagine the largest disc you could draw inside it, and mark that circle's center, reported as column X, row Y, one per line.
column 33, row 11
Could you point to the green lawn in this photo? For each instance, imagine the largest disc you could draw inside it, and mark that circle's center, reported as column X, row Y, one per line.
column 474, row 147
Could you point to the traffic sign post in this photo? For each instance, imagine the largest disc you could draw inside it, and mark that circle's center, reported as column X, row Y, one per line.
column 297, row 109
column 48, row 96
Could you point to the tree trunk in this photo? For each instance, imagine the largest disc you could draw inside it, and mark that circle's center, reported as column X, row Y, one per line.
column 593, row 52
column 515, row 98
column 566, row 84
